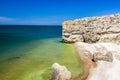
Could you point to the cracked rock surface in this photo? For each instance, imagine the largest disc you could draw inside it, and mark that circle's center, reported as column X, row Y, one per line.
column 92, row 29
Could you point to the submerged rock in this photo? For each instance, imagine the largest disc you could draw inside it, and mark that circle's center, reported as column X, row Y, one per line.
column 60, row 72
column 13, row 58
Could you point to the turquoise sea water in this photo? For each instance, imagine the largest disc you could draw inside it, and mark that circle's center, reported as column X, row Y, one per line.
column 28, row 52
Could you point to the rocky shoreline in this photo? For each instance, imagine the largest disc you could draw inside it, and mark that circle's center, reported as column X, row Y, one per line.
column 97, row 42
column 92, row 29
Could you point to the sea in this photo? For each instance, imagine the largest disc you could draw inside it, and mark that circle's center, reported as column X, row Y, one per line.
column 27, row 52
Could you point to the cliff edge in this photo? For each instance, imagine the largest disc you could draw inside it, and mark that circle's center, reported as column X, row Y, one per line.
column 92, row 29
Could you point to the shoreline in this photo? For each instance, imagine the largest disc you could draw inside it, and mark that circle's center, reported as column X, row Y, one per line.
column 86, row 58
column 97, row 42
column 101, row 69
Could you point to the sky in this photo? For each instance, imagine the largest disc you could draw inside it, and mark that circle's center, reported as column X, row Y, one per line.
column 53, row 12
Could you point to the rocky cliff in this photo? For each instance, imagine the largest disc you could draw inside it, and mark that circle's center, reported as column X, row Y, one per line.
column 92, row 29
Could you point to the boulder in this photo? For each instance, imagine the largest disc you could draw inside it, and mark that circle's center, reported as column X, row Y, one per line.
column 104, row 57
column 60, row 72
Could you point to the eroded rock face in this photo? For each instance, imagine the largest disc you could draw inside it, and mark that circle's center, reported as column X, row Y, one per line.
column 60, row 72
column 93, row 29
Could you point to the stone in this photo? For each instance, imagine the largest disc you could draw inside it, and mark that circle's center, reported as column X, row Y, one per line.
column 60, row 72
column 66, row 34
column 100, row 60
column 110, row 38
column 73, row 38
column 98, row 51
column 92, row 29
column 76, row 38
column 102, row 57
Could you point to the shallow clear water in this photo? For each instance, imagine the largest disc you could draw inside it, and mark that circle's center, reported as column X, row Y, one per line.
column 27, row 52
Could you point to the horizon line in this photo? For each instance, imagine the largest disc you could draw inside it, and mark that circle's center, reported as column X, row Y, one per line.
column 26, row 25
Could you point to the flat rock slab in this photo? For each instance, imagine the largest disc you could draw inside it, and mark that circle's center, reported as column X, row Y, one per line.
column 107, row 68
